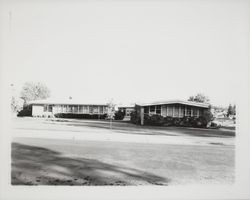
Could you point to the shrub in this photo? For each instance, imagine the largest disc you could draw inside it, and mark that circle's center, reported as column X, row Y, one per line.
column 80, row 116
column 192, row 122
column 168, row 121
column 185, row 121
column 154, row 120
column 119, row 115
column 176, row 121
column 202, row 122
column 26, row 111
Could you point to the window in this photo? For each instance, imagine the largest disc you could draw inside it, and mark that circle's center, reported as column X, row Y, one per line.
column 101, row 109
column 152, row 109
column 59, row 108
column 85, row 109
column 69, row 109
column 176, row 111
column 75, row 109
column 146, row 110
column 91, row 109
column 181, row 111
column 170, row 111
column 164, row 111
column 80, row 109
column 105, row 109
column 49, row 108
column 188, row 114
column 158, row 109
column 64, row 109
column 195, row 112
column 95, row 109
column 45, row 108
column 200, row 112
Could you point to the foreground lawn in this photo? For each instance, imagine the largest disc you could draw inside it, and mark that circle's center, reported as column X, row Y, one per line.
column 38, row 161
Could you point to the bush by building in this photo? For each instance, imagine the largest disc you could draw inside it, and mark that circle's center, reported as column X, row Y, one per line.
column 119, row 115
column 154, row 120
column 25, row 112
column 80, row 116
column 158, row 120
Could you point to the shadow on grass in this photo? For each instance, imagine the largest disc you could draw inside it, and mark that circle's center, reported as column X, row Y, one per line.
column 129, row 128
column 32, row 165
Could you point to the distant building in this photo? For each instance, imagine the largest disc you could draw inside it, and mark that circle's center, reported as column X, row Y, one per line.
column 49, row 107
column 219, row 113
column 175, row 108
column 127, row 109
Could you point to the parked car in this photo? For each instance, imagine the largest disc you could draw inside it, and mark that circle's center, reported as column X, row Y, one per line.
column 215, row 124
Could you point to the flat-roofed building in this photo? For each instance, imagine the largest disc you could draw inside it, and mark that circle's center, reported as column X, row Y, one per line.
column 174, row 108
column 49, row 107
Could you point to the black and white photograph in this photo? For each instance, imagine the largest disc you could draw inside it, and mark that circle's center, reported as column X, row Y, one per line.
column 124, row 99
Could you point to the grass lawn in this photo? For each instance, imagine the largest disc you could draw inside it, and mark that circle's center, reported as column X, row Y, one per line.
column 47, row 161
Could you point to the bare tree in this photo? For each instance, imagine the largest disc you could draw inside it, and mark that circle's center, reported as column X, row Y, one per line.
column 34, row 91
column 111, row 112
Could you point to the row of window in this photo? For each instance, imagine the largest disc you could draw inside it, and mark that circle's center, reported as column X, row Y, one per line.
column 152, row 109
column 75, row 109
column 47, row 108
column 173, row 111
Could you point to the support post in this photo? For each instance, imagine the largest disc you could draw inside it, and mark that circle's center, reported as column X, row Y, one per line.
column 142, row 115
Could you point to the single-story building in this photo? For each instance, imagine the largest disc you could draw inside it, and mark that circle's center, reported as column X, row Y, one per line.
column 175, row 108
column 49, row 108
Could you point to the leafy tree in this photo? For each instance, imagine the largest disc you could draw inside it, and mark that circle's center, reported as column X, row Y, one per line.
column 34, row 91
column 231, row 110
column 234, row 109
column 200, row 98
column 208, row 116
column 14, row 106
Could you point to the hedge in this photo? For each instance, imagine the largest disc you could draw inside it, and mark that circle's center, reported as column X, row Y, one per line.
column 158, row 120
column 26, row 111
column 119, row 115
column 80, row 116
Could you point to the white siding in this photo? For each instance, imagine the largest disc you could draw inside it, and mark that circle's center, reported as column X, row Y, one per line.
column 37, row 110
column 55, row 109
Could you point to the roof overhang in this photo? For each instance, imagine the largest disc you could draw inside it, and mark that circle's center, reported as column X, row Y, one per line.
column 67, row 102
column 189, row 103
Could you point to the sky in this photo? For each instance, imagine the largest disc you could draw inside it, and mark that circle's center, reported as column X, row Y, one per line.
column 128, row 51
